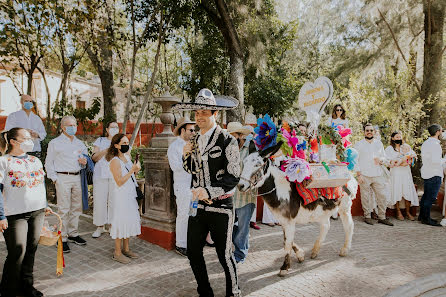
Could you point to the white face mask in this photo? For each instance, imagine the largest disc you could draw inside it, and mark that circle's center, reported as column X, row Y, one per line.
column 113, row 131
column 27, row 146
column 443, row 135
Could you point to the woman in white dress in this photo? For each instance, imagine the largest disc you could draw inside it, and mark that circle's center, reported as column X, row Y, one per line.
column 403, row 193
column 338, row 117
column 125, row 217
column 101, row 180
column 268, row 218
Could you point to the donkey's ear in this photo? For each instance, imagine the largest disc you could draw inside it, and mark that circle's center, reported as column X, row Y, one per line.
column 271, row 150
column 252, row 147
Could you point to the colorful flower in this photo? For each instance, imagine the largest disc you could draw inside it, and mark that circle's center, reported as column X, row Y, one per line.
column 351, row 157
column 266, row 133
column 296, row 169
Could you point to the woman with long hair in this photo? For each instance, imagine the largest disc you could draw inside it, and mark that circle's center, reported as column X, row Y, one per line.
column 125, row 217
column 403, row 192
column 21, row 219
column 338, row 117
column 101, row 180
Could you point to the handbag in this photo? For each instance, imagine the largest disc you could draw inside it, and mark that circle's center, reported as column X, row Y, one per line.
column 139, row 193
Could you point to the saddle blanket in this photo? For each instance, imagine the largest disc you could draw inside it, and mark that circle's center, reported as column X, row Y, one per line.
column 312, row 194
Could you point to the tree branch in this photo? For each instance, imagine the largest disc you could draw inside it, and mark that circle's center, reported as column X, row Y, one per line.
column 229, row 24
column 399, row 49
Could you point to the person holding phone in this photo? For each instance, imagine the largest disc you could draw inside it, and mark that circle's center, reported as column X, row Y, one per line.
column 125, row 217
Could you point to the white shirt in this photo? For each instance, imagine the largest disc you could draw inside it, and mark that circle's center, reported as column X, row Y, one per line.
column 23, row 182
column 102, row 167
column 175, row 155
column 63, row 155
column 337, row 122
column 203, row 140
column 367, row 152
column 20, row 119
column 431, row 158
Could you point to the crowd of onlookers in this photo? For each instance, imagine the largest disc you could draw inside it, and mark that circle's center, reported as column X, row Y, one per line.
column 384, row 177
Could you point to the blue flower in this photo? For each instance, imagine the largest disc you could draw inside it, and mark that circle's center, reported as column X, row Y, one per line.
column 266, row 133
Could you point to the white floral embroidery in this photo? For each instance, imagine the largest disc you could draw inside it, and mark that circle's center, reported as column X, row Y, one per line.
column 219, row 174
column 233, row 156
column 215, row 152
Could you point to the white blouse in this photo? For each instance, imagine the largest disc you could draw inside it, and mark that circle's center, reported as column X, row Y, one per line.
column 23, row 182
column 102, row 167
column 337, row 122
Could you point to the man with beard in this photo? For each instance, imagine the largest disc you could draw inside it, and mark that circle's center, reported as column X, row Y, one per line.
column 213, row 159
column 370, row 176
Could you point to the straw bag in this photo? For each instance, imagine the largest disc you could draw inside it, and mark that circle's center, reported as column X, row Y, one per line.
column 50, row 238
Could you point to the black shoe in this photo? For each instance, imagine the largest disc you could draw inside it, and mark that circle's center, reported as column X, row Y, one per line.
column 66, row 248
column 181, row 251
column 385, row 222
column 368, row 221
column 77, row 240
column 31, row 292
column 431, row 223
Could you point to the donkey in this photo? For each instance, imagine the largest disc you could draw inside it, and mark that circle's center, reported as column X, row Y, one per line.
column 259, row 172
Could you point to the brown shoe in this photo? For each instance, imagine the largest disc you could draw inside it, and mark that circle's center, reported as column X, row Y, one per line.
column 121, row 259
column 374, row 216
column 385, row 222
column 369, row 221
column 130, row 254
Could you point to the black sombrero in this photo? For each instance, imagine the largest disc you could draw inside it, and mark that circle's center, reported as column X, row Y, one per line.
column 206, row 100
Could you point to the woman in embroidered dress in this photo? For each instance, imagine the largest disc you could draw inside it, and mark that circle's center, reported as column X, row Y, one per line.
column 22, row 181
column 403, row 192
column 125, row 217
column 338, row 117
column 101, row 180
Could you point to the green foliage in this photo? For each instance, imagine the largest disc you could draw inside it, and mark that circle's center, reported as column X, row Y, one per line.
column 137, row 150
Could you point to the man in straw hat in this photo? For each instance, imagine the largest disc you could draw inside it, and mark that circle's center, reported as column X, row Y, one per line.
column 213, row 159
column 244, row 203
column 185, row 130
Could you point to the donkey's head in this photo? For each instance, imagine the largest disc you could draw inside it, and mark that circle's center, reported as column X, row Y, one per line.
column 255, row 167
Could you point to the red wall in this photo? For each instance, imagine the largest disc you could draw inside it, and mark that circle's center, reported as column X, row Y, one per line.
column 145, row 130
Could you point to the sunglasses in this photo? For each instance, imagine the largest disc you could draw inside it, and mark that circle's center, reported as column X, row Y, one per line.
column 339, row 109
column 191, row 130
column 368, row 130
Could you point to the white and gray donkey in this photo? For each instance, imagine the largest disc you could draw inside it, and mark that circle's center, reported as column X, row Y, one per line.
column 288, row 207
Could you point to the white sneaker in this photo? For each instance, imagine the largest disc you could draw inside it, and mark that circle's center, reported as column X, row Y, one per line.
column 98, row 232
column 443, row 222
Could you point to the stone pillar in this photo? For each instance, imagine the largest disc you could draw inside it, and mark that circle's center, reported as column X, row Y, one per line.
column 158, row 220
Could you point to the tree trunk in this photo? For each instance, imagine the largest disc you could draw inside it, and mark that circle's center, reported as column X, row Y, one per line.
column 236, row 85
column 434, row 17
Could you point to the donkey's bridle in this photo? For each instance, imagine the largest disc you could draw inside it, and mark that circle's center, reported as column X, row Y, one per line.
column 253, row 181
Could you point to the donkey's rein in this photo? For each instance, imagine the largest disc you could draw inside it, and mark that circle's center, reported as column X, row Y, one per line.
column 252, row 184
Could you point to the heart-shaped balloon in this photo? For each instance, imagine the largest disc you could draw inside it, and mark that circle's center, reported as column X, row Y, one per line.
column 314, row 96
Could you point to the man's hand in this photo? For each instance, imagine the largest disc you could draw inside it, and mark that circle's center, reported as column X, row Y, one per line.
column 200, row 193
column 82, row 161
column 187, row 149
column 378, row 161
column 48, row 211
column 33, row 133
column 3, row 225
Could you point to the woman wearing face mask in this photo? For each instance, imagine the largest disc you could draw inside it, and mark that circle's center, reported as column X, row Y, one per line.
column 21, row 217
column 402, row 189
column 125, row 217
column 101, row 179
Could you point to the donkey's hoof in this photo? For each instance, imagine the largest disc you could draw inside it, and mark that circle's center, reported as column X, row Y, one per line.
column 314, row 255
column 343, row 252
column 300, row 256
column 283, row 273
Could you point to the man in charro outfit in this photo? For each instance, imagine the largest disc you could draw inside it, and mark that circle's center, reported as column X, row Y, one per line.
column 213, row 159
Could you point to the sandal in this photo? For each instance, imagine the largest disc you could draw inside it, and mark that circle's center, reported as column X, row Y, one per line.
column 410, row 217
column 121, row 258
column 130, row 254
column 399, row 216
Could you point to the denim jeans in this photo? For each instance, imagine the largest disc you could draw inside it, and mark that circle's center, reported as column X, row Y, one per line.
column 21, row 238
column 240, row 234
column 431, row 188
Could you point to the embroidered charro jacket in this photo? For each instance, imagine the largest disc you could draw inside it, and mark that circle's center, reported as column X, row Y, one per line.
column 215, row 168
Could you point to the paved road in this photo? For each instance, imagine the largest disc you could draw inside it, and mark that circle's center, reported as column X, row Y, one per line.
column 382, row 258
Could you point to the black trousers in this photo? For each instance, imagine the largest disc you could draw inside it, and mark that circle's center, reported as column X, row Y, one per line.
column 218, row 221
column 21, row 238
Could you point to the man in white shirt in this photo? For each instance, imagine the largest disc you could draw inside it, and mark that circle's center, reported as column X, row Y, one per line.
column 431, row 172
column 370, row 175
column 27, row 119
column 63, row 163
column 185, row 130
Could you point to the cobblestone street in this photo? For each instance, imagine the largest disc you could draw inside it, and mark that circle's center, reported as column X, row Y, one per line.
column 382, row 259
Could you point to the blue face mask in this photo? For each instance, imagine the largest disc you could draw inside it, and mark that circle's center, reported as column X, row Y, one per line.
column 71, row 130
column 28, row 105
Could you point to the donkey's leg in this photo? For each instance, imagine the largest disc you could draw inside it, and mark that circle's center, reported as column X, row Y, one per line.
column 347, row 222
column 300, row 253
column 288, row 236
column 324, row 227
